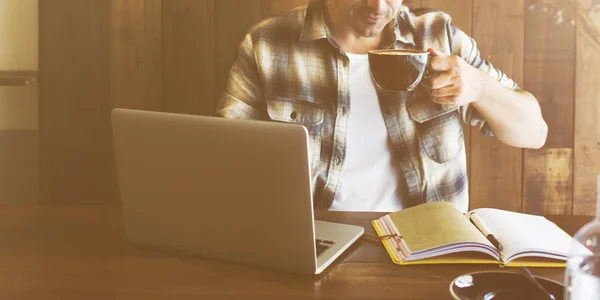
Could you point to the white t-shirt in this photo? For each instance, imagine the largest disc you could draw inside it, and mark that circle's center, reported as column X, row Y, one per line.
column 370, row 181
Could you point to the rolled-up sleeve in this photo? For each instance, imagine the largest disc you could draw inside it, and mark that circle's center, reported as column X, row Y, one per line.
column 466, row 47
column 243, row 96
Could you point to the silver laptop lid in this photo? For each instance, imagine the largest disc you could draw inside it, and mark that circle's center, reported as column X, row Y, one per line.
column 228, row 189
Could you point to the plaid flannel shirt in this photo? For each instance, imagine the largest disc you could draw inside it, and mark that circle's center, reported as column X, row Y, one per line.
column 289, row 69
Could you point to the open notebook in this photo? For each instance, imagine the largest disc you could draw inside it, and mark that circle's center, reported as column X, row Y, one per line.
column 438, row 233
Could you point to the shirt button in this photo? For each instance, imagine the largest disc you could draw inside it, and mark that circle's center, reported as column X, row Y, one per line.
column 338, row 160
column 293, row 115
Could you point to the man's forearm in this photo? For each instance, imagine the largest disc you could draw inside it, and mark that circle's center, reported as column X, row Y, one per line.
column 514, row 116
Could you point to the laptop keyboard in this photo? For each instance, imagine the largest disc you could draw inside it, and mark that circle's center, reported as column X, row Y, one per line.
column 322, row 245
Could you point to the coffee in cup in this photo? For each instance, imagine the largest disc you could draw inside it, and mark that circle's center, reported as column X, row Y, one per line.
column 399, row 70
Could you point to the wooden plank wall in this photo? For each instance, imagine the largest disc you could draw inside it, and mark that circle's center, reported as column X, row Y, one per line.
column 496, row 175
column 188, row 56
column 74, row 80
column 550, row 75
column 174, row 55
column 586, row 151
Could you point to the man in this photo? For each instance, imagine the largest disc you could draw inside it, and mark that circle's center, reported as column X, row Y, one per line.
column 374, row 150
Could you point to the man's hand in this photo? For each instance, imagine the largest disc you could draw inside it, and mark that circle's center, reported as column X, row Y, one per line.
column 514, row 116
column 457, row 82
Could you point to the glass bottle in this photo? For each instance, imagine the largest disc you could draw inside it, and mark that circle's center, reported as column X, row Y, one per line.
column 582, row 277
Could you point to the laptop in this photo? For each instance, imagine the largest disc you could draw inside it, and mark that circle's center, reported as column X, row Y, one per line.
column 226, row 189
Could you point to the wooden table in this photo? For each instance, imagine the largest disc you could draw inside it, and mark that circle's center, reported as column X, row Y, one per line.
column 80, row 252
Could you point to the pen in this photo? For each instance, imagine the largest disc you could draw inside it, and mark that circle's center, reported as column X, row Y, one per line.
column 488, row 234
column 378, row 238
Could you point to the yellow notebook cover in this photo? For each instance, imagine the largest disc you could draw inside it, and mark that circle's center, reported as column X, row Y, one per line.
column 437, row 233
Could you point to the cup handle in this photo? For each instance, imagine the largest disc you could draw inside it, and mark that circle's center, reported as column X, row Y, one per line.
column 428, row 73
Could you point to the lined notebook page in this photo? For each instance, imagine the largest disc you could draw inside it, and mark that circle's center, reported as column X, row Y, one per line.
column 435, row 224
column 521, row 232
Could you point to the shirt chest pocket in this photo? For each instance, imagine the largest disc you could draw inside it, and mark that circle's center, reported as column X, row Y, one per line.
column 302, row 113
column 441, row 136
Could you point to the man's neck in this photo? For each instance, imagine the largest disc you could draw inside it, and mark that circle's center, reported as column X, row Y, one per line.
column 346, row 37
